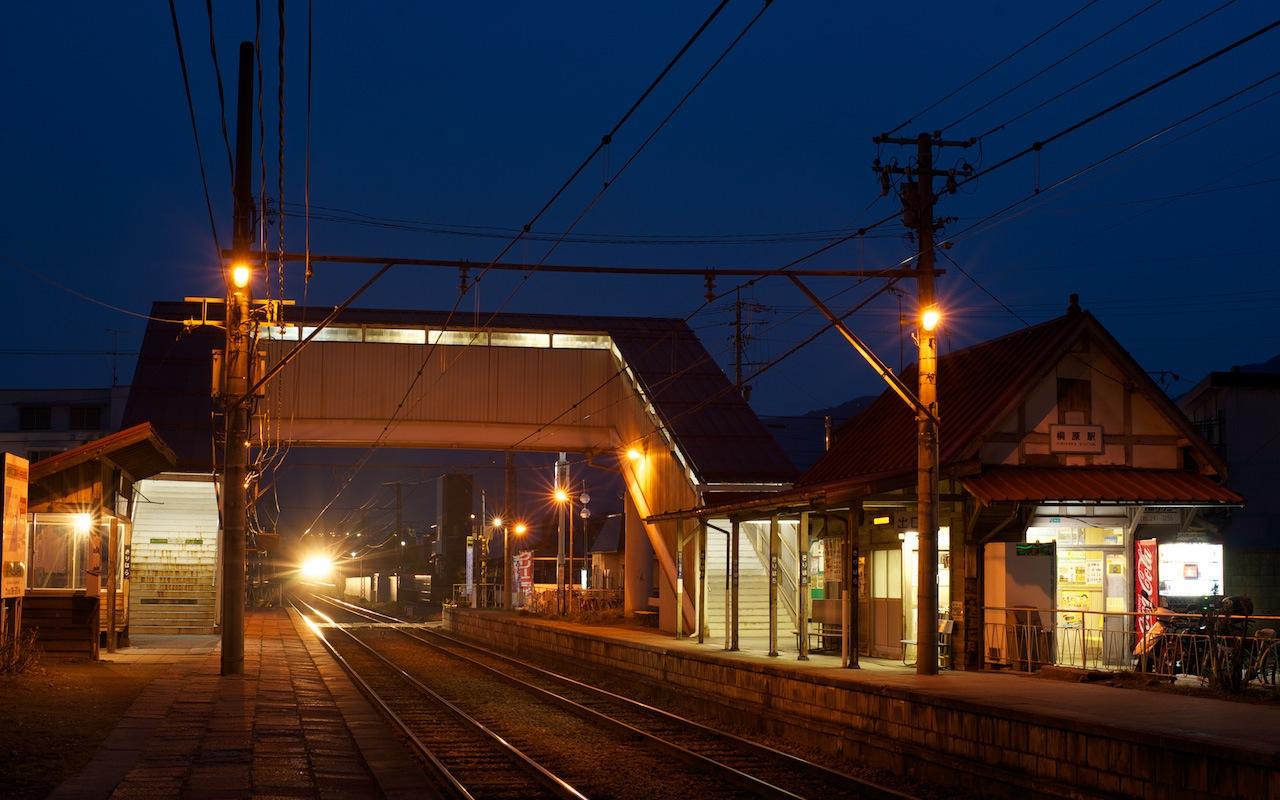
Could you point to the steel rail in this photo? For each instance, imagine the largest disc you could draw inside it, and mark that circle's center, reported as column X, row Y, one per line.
column 558, row 786
column 452, row 784
column 746, row 780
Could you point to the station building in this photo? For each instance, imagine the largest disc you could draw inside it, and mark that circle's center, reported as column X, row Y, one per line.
column 1074, row 495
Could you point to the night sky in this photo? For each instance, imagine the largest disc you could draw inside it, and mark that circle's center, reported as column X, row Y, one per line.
column 466, row 116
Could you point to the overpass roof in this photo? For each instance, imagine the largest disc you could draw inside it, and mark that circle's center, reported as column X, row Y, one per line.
column 712, row 425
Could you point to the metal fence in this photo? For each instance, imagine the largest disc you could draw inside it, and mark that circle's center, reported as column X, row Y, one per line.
column 1224, row 650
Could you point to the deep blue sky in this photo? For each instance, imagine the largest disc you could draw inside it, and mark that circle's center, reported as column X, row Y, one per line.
column 470, row 114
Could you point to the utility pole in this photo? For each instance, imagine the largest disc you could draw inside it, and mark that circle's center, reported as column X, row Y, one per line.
column 235, row 382
column 917, row 212
column 400, row 538
column 509, row 516
column 562, row 490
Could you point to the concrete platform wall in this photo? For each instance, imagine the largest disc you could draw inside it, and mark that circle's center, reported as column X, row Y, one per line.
column 990, row 752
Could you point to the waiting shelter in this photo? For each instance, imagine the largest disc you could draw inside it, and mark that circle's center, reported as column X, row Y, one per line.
column 80, row 539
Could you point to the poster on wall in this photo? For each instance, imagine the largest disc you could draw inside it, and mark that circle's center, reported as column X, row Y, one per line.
column 13, row 558
column 1146, row 583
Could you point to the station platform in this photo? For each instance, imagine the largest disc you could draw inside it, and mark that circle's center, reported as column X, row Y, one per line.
column 293, row 725
column 994, row 734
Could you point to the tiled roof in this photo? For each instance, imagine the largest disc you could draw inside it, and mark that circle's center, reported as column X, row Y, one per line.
column 1098, row 485
column 975, row 385
column 714, row 427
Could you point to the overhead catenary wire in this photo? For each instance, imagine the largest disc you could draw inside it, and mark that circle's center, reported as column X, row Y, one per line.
column 1033, row 148
column 605, row 140
column 195, row 133
column 1114, row 65
column 989, row 218
column 983, row 73
column 1039, row 145
column 222, row 100
column 1033, row 76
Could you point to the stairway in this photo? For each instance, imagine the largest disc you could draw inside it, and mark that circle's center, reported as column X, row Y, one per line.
column 753, row 591
column 172, row 587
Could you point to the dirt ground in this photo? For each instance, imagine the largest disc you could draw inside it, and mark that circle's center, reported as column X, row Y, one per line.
column 54, row 716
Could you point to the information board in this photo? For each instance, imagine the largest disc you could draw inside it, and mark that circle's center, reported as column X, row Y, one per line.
column 13, row 558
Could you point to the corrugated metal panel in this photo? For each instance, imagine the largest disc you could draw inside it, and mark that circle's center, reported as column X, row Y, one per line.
column 1099, row 485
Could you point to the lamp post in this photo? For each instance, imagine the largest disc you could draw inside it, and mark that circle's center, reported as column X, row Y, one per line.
column 506, row 557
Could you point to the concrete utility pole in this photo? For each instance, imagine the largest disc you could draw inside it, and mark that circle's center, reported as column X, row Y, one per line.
column 235, row 383
column 917, row 212
column 562, row 486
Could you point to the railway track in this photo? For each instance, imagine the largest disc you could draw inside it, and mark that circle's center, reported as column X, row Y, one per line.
column 690, row 748
column 466, row 758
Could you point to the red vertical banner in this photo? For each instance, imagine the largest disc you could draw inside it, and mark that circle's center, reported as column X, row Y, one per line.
column 1146, row 583
column 524, row 571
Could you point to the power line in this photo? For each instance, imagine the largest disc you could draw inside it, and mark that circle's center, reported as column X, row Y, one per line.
column 1044, row 70
column 989, row 69
column 86, row 297
column 1038, row 146
column 604, row 142
column 195, row 132
column 1111, row 156
column 1107, row 69
column 222, row 101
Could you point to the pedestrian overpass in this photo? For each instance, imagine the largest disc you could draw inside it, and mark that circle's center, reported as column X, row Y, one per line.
column 641, row 391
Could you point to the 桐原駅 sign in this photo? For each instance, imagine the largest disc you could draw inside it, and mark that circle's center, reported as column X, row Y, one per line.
column 1079, row 439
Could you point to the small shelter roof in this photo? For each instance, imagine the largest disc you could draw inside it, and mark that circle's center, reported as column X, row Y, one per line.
column 1100, row 485
column 138, row 450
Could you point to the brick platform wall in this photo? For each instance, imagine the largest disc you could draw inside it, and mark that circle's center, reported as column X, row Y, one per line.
column 990, row 752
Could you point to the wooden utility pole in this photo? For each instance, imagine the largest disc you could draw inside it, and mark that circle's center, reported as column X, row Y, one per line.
column 917, row 211
column 235, row 383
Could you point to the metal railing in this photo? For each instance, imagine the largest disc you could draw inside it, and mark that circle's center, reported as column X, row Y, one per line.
column 1224, row 650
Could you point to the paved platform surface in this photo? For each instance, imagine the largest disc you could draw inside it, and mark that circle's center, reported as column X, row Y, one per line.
column 1152, row 715
column 292, row 726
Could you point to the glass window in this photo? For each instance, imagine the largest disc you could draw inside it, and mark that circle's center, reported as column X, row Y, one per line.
column 458, row 337
column 581, row 341
column 396, row 335
column 85, row 418
column 277, row 333
column 332, row 334
column 517, row 339
column 57, row 553
column 35, row 418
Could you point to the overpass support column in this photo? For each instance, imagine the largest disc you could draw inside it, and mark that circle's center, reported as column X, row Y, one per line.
column 701, row 558
column 774, row 547
column 735, row 558
column 637, row 571
column 680, row 542
column 802, row 587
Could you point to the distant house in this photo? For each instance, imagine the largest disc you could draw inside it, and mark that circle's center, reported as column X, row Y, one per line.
column 1236, row 412
column 38, row 423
